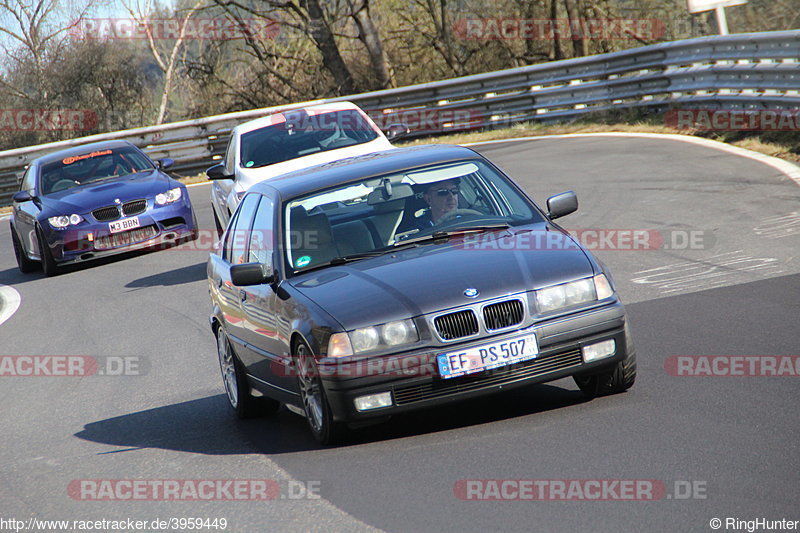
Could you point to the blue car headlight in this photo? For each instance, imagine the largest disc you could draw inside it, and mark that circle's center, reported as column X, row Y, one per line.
column 64, row 221
column 171, row 196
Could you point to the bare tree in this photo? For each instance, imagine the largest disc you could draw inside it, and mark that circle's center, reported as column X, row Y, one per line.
column 167, row 60
column 368, row 35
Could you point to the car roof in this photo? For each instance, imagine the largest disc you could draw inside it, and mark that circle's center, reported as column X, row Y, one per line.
column 276, row 118
column 357, row 168
column 80, row 150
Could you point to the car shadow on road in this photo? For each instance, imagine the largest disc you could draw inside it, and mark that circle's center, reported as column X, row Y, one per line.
column 207, row 426
column 178, row 276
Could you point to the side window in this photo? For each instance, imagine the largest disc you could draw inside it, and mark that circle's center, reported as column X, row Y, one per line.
column 262, row 240
column 27, row 180
column 239, row 232
column 230, row 158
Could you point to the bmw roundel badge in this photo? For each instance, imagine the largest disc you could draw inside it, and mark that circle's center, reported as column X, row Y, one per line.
column 471, row 292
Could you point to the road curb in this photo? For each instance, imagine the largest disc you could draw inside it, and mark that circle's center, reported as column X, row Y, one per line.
column 9, row 302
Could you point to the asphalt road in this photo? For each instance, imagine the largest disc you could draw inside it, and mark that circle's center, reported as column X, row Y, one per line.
column 732, row 290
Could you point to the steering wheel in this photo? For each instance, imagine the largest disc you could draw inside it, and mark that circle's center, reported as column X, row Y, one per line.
column 62, row 184
column 458, row 213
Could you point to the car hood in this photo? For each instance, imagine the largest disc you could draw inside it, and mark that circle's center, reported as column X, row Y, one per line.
column 247, row 177
column 433, row 277
column 85, row 198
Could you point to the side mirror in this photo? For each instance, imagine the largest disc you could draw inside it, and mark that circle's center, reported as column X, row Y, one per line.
column 562, row 204
column 396, row 131
column 165, row 163
column 22, row 196
column 251, row 274
column 217, row 172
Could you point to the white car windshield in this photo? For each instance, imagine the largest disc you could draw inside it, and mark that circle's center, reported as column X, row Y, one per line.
column 302, row 134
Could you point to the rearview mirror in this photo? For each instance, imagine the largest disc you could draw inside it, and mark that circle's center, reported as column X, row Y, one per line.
column 217, row 172
column 396, row 131
column 165, row 163
column 562, row 204
column 22, row 196
column 251, row 274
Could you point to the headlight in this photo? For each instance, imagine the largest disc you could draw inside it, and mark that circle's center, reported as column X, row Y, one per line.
column 573, row 293
column 373, row 338
column 64, row 221
column 172, row 195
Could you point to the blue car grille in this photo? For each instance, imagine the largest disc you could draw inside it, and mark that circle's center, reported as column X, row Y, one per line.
column 125, row 238
column 105, row 214
column 113, row 212
column 134, row 207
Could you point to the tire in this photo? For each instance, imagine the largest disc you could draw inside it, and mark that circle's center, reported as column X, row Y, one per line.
column 220, row 230
column 619, row 379
column 25, row 265
column 49, row 266
column 234, row 379
column 325, row 429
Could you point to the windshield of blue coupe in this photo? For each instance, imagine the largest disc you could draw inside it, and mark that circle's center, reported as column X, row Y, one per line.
column 382, row 213
column 91, row 167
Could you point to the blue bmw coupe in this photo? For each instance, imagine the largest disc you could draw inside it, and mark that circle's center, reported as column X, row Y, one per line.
column 95, row 200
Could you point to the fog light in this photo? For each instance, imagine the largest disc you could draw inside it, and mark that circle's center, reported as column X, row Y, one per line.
column 373, row 401
column 599, row 350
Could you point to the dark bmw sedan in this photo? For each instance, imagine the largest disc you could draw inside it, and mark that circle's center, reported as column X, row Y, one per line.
column 399, row 280
column 95, row 200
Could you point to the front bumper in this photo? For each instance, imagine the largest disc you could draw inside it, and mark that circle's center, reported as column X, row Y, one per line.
column 414, row 383
column 158, row 227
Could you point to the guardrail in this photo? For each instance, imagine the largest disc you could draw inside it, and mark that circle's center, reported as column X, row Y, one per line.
column 740, row 71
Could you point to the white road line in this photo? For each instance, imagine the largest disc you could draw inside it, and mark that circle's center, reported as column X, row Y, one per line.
column 9, row 302
column 791, row 170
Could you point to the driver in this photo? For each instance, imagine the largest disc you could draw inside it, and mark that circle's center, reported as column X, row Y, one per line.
column 442, row 198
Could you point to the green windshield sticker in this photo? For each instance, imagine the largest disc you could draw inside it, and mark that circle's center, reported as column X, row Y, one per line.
column 249, row 164
column 302, row 261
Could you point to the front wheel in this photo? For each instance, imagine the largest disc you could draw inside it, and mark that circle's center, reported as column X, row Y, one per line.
column 49, row 266
column 315, row 404
column 25, row 265
column 244, row 404
column 618, row 379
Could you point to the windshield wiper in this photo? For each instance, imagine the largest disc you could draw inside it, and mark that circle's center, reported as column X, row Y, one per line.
column 438, row 235
column 355, row 257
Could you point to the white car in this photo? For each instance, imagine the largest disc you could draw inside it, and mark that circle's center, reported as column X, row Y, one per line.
column 267, row 147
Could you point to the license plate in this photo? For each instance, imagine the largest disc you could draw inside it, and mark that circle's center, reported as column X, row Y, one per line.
column 123, row 225
column 487, row 356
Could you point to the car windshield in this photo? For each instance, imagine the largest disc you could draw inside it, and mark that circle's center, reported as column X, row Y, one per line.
column 91, row 167
column 303, row 134
column 378, row 214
